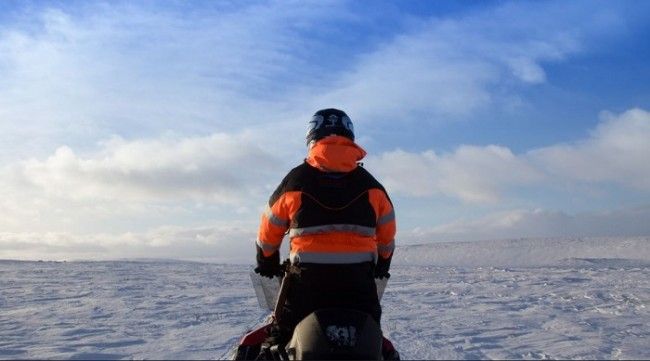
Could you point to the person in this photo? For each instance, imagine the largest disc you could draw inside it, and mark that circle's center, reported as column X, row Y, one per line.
column 341, row 225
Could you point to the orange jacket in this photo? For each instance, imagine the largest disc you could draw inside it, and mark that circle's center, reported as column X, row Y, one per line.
column 333, row 209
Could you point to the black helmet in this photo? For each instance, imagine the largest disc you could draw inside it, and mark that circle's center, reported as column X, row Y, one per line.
column 328, row 122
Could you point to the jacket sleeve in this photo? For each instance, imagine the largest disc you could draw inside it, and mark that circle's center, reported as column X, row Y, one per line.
column 386, row 224
column 275, row 220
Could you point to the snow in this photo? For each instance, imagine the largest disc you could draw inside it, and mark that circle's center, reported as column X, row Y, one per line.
column 497, row 313
column 523, row 299
column 524, row 252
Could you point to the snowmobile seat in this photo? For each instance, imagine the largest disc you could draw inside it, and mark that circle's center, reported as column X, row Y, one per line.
column 336, row 334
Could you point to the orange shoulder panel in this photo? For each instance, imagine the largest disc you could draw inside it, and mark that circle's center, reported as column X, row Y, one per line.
column 276, row 220
column 386, row 224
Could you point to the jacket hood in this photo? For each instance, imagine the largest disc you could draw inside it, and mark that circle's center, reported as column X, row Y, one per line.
column 335, row 153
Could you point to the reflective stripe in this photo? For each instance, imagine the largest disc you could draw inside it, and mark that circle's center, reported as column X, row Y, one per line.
column 354, row 228
column 390, row 216
column 265, row 246
column 390, row 247
column 332, row 258
column 275, row 219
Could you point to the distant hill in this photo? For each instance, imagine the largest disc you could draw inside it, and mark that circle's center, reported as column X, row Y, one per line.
column 599, row 252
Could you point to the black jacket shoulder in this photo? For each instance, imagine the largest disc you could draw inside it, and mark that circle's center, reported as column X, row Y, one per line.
column 309, row 179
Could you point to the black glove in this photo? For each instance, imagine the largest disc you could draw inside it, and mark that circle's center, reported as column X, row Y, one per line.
column 382, row 266
column 268, row 266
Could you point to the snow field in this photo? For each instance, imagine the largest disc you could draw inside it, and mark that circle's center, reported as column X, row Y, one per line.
column 535, row 313
column 113, row 310
column 575, row 299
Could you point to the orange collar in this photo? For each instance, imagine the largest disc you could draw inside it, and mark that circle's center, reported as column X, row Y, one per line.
column 335, row 153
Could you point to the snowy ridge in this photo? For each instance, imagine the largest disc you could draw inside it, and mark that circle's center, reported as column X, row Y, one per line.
column 603, row 252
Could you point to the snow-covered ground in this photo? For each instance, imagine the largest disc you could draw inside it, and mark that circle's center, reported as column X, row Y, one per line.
column 581, row 298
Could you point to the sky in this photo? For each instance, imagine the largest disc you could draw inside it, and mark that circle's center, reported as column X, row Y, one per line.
column 160, row 128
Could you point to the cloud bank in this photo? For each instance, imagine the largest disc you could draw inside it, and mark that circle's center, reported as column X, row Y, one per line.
column 538, row 223
column 224, row 244
column 219, row 168
column 131, row 185
column 167, row 177
column 616, row 152
column 234, row 243
column 228, row 169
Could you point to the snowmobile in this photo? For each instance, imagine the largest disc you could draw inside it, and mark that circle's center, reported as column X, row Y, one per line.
column 325, row 334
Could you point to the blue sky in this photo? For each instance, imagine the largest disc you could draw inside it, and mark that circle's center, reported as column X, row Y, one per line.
column 159, row 128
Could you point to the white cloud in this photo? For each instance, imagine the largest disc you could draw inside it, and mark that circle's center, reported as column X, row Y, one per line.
column 219, row 168
column 617, row 152
column 527, row 70
column 227, row 243
column 136, row 185
column 471, row 173
column 73, row 77
column 522, row 223
column 445, row 68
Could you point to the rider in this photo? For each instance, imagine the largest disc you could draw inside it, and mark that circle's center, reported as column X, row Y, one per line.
column 341, row 226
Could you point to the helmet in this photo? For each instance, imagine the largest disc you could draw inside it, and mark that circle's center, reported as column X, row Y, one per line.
column 329, row 122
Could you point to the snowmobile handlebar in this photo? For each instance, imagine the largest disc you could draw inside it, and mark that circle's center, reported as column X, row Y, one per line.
column 284, row 286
